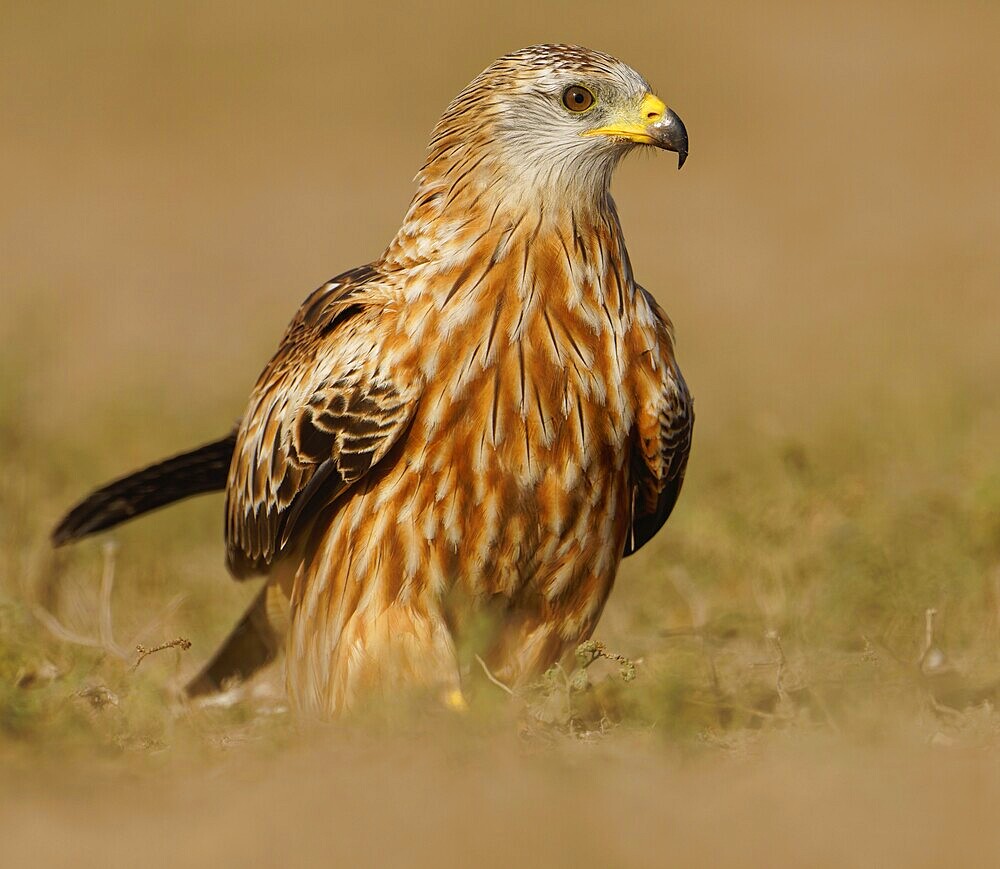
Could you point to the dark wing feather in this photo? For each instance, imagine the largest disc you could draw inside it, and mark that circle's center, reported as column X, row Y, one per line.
column 662, row 445
column 323, row 413
column 659, row 475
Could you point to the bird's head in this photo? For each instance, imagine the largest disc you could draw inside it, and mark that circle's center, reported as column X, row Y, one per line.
column 554, row 115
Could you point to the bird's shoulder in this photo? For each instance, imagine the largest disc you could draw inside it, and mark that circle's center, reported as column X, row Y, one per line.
column 332, row 305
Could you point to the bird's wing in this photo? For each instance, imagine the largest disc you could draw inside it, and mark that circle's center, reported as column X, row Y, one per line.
column 662, row 434
column 324, row 411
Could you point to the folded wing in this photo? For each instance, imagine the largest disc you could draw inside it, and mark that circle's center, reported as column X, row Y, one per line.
column 662, row 442
column 324, row 412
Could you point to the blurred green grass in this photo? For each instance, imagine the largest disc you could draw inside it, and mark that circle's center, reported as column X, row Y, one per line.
column 826, row 552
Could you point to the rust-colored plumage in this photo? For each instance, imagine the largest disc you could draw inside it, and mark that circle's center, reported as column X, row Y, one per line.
column 480, row 423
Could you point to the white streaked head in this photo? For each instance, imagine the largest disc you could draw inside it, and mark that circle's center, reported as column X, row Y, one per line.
column 554, row 116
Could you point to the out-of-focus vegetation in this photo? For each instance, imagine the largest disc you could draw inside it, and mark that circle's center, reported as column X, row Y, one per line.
column 814, row 636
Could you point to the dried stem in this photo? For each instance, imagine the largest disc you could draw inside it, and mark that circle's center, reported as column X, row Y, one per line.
column 181, row 643
column 105, row 623
column 105, row 639
column 61, row 632
column 105, row 634
column 493, row 678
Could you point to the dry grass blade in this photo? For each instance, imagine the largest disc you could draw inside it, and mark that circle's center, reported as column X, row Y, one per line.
column 493, row 678
column 105, row 623
column 61, row 632
column 105, row 620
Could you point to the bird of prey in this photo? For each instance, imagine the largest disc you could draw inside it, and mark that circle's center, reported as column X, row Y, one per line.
column 455, row 445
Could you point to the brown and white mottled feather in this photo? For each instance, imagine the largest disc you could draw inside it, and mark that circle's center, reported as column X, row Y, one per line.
column 323, row 412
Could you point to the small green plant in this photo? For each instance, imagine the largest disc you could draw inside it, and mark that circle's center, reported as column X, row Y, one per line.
column 573, row 701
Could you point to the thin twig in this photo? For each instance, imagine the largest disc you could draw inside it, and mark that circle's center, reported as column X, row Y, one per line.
column 181, row 643
column 493, row 678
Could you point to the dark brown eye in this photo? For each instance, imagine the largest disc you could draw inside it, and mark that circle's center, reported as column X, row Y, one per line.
column 577, row 99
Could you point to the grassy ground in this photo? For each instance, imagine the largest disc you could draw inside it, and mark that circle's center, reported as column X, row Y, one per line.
column 815, row 635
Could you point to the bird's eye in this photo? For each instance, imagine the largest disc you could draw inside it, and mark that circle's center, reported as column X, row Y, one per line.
column 577, row 99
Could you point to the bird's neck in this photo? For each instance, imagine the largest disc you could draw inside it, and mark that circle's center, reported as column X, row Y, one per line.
column 470, row 208
column 490, row 270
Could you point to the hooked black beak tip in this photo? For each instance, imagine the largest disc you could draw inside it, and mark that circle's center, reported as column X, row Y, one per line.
column 670, row 134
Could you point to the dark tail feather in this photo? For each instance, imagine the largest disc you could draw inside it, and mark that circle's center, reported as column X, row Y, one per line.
column 204, row 469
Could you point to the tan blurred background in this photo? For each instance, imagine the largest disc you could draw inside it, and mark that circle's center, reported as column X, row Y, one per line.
column 176, row 177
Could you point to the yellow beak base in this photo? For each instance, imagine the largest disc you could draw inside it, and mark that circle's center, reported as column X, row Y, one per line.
column 635, row 127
